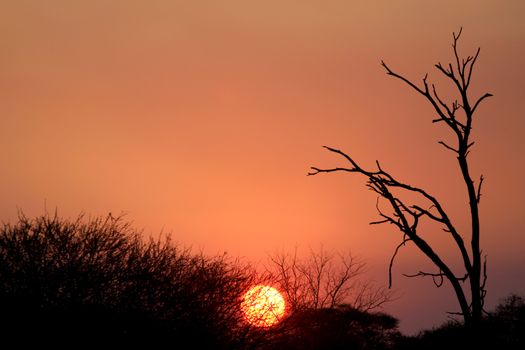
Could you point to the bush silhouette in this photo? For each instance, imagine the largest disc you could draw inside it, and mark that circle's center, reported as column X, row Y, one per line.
column 503, row 328
column 340, row 327
column 96, row 281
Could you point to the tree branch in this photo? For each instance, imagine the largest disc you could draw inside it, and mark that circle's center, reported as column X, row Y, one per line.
column 315, row 171
column 461, row 69
column 482, row 287
column 439, row 275
column 448, row 147
column 478, row 196
column 427, row 213
column 405, row 240
column 380, row 180
column 471, row 67
column 392, row 73
column 486, row 95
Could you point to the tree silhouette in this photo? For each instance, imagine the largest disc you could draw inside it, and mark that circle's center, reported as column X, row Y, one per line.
column 341, row 327
column 96, row 281
column 324, row 280
column 329, row 303
column 503, row 328
column 406, row 216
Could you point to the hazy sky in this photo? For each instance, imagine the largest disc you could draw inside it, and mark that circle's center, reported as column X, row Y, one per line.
column 201, row 118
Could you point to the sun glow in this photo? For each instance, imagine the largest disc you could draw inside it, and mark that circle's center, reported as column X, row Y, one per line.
column 263, row 306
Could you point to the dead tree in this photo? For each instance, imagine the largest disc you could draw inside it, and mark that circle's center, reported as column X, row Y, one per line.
column 323, row 279
column 458, row 117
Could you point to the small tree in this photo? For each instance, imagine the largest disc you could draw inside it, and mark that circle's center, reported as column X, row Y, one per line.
column 458, row 117
column 324, row 280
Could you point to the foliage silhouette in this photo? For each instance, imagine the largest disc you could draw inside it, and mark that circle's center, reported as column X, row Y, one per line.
column 97, row 282
column 503, row 328
column 341, row 327
column 407, row 214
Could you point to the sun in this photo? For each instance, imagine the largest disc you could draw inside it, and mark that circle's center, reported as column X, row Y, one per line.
column 263, row 306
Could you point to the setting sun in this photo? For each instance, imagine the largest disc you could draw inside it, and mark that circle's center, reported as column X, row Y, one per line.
column 263, row 306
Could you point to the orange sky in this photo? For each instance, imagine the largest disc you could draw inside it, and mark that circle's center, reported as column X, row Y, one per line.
column 201, row 118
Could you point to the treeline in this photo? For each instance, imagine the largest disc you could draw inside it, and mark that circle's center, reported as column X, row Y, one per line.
column 97, row 282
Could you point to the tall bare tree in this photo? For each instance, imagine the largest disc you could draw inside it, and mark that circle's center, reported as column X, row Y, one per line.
column 406, row 215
